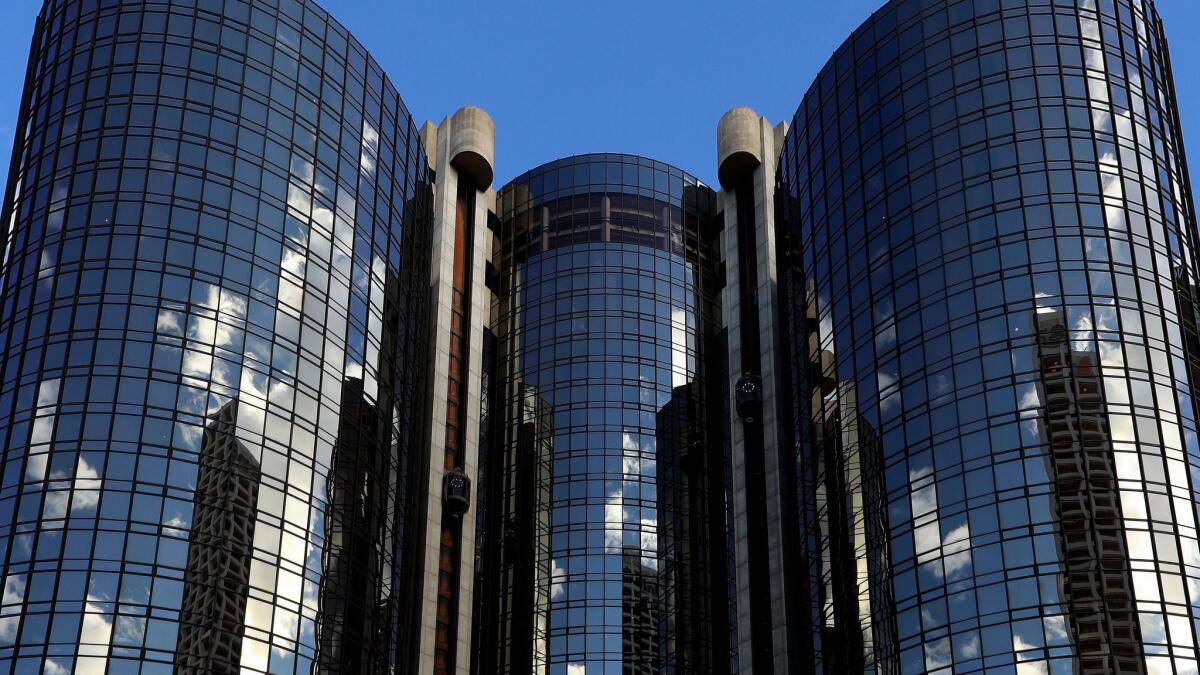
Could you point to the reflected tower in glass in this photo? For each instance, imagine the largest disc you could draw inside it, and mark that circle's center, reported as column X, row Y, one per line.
column 605, row 473
column 986, row 245
column 213, row 323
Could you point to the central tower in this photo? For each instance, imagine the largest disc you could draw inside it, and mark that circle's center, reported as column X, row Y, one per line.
column 599, row 468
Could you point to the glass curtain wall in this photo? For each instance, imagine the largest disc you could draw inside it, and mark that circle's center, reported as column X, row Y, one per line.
column 990, row 250
column 606, row 474
column 212, row 308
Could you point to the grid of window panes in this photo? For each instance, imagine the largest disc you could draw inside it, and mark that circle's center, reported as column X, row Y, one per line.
column 606, row 300
column 994, row 250
column 215, row 227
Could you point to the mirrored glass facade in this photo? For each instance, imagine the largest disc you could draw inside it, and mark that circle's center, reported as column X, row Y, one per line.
column 287, row 388
column 608, row 513
column 987, row 246
column 216, row 231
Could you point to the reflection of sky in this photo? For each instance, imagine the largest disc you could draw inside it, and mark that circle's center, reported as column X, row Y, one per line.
column 605, row 336
column 202, row 343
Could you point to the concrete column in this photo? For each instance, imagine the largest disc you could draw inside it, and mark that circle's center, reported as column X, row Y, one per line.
column 748, row 147
column 461, row 148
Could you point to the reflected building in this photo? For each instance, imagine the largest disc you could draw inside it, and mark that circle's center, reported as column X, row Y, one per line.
column 217, row 578
column 641, row 609
column 853, row 574
column 515, row 583
column 1095, row 581
column 693, row 630
column 354, row 631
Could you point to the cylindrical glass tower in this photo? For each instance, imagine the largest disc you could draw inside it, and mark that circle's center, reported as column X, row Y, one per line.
column 988, row 256
column 605, row 474
column 215, row 236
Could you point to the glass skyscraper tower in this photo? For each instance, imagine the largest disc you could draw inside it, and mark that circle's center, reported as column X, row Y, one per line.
column 211, row 330
column 602, row 455
column 987, row 254
column 287, row 387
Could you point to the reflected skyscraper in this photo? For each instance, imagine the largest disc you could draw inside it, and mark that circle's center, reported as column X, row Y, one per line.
column 354, row 631
column 217, row 578
column 852, row 588
column 1086, row 498
column 641, row 612
column 693, row 629
column 515, row 584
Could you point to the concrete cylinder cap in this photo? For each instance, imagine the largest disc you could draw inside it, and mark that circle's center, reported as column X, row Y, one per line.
column 739, row 144
column 473, row 145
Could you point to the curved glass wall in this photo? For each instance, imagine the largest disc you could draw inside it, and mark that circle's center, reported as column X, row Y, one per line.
column 609, row 553
column 215, row 234
column 991, row 262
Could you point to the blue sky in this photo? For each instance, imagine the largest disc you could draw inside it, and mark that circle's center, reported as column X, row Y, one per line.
column 649, row 77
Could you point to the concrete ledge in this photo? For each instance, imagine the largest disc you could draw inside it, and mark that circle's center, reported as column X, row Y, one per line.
column 473, row 145
column 429, row 134
column 739, row 145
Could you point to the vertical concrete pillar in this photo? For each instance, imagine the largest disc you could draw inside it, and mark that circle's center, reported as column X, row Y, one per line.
column 461, row 151
column 747, row 154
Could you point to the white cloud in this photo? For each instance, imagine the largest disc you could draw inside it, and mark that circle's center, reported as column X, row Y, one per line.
column 557, row 585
